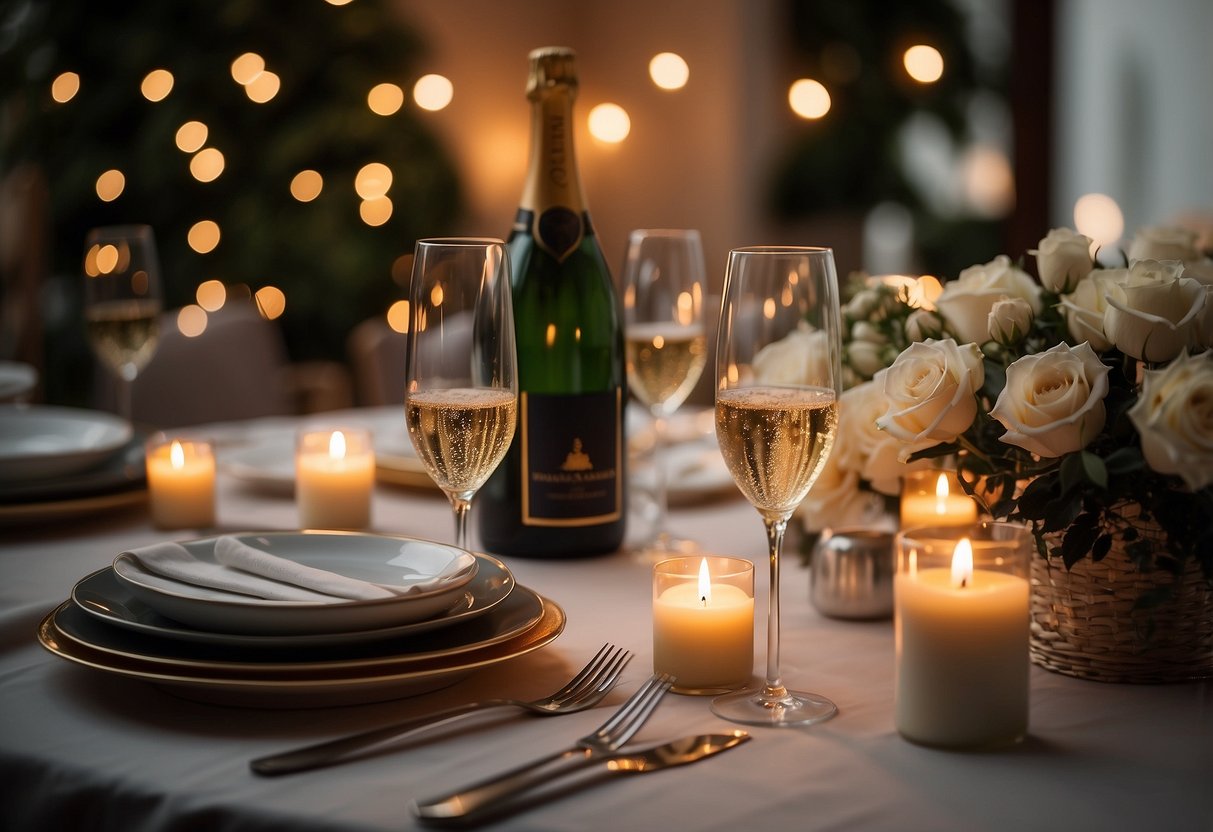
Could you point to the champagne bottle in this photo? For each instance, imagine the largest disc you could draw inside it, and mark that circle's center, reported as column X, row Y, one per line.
column 560, row 491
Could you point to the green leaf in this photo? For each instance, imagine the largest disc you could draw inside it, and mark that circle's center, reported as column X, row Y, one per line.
column 995, row 380
column 1125, row 460
column 1038, row 495
column 1062, row 513
column 1099, row 550
column 1072, row 472
column 1094, row 469
column 1079, row 538
column 935, row 451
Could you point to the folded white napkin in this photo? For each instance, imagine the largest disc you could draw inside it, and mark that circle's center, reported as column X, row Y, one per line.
column 249, row 571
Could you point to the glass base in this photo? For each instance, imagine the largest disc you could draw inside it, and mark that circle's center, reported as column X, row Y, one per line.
column 755, row 707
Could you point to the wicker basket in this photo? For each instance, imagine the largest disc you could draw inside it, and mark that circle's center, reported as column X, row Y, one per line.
column 1084, row 624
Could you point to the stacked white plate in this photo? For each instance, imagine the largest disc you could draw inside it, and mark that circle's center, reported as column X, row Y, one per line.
column 205, row 644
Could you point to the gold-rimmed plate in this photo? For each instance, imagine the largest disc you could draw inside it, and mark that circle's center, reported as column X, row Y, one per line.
column 305, row 689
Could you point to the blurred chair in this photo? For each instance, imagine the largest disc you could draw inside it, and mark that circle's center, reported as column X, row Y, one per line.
column 377, row 351
column 236, row 369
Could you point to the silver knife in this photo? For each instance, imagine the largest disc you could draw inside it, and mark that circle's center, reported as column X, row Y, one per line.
column 483, row 798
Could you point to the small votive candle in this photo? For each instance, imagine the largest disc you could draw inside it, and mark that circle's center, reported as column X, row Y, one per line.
column 180, row 482
column 703, row 623
column 935, row 498
column 334, row 478
column 961, row 635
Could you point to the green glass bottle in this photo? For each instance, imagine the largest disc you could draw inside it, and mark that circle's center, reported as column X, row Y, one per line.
column 561, row 490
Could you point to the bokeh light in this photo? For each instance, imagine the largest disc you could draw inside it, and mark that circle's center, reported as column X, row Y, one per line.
column 923, row 63
column 808, row 98
column 433, row 92
column 373, row 180
column 110, row 185
column 191, row 136
column 247, row 67
column 207, row 164
column 157, row 85
column 271, row 302
column 211, row 295
column 191, row 321
column 307, row 185
column 203, row 236
column 669, row 71
column 398, row 316
column 375, row 211
column 1100, row 218
column 263, row 88
column 609, row 123
column 385, row 99
column 65, row 86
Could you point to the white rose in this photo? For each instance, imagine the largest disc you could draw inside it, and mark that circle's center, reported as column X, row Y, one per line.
column 1084, row 307
column 923, row 324
column 865, row 357
column 1174, row 416
column 1163, row 243
column 1063, row 259
column 836, row 500
column 1202, row 271
column 931, row 389
column 1009, row 321
column 862, row 446
column 1154, row 314
column 1053, row 402
column 864, row 331
column 800, row 357
column 966, row 302
column 863, row 304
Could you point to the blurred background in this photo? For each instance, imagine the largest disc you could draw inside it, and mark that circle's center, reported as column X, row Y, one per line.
column 288, row 153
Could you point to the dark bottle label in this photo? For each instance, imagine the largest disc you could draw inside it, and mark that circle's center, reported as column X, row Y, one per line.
column 572, row 458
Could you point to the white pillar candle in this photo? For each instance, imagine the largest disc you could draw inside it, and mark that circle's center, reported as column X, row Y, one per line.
column 180, row 483
column 935, row 498
column 334, row 478
column 703, row 623
column 962, row 639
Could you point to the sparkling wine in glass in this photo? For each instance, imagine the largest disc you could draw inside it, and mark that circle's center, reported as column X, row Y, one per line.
column 778, row 380
column 122, row 301
column 665, row 344
column 461, row 390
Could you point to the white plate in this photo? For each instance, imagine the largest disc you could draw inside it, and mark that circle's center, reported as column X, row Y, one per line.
column 319, row 688
column 16, row 379
column 269, row 466
column 376, row 558
column 521, row 611
column 109, row 600
column 38, row 441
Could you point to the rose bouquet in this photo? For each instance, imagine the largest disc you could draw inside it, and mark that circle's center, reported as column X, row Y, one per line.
column 1081, row 403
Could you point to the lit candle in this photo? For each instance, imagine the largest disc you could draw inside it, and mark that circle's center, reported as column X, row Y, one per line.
column 703, row 623
column 181, row 483
column 935, row 498
column 334, row 477
column 962, row 637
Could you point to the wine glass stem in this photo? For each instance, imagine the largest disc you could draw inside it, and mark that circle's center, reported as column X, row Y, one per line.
column 661, row 494
column 126, row 389
column 775, row 529
column 462, row 506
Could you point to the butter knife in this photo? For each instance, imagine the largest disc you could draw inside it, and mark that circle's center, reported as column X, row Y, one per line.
column 484, row 798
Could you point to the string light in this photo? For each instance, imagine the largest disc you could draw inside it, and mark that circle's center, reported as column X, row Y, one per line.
column 191, row 321
column 306, row 185
column 375, row 211
column 433, row 92
column 110, row 185
column 263, row 88
column 65, row 86
column 373, row 180
column 203, row 236
column 398, row 317
column 271, row 302
column 809, row 98
column 385, row 99
column 211, row 295
column 247, row 67
column 923, row 63
column 609, row 123
column 669, row 71
column 191, row 136
column 207, row 164
column 157, row 85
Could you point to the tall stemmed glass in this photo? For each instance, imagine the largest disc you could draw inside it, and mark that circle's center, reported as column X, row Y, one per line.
column 461, row 392
column 122, row 301
column 778, row 372
column 665, row 344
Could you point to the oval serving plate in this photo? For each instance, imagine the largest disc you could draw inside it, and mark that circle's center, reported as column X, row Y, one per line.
column 108, row 599
column 369, row 557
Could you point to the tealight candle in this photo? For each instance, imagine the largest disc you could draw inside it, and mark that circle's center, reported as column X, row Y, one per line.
column 334, row 477
column 180, row 482
column 935, row 498
column 961, row 625
column 703, row 622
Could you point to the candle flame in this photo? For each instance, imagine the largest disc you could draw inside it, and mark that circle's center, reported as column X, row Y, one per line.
column 705, row 583
column 337, row 445
column 941, row 494
column 176, row 455
column 962, row 564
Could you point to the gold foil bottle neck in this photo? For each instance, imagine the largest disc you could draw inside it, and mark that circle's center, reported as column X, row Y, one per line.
column 551, row 66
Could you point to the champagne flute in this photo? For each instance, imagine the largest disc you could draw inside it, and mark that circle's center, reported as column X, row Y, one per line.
column 778, row 375
column 665, row 344
column 461, row 392
column 122, row 301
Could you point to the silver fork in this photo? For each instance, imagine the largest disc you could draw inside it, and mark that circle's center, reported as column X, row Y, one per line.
column 585, row 690
column 609, row 736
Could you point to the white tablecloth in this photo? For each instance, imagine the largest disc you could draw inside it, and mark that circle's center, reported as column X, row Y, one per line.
column 79, row 749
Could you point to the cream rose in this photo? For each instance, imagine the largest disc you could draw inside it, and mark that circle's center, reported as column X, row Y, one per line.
column 931, row 390
column 836, row 500
column 800, row 357
column 862, row 446
column 1163, row 242
column 1174, row 416
column 1084, row 307
column 1063, row 259
column 1202, row 271
column 1154, row 314
column 923, row 324
column 1053, row 401
column 1009, row 321
column 966, row 302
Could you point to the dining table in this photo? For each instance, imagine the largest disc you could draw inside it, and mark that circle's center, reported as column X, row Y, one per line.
column 85, row 749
